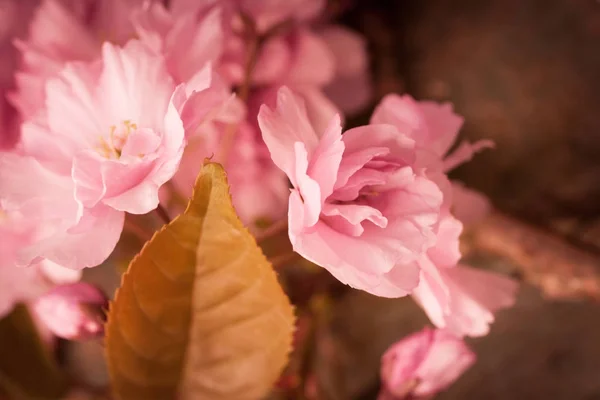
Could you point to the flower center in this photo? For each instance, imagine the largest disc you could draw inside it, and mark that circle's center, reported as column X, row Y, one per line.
column 112, row 146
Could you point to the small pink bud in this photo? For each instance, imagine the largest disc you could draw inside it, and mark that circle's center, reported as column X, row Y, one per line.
column 423, row 364
column 74, row 311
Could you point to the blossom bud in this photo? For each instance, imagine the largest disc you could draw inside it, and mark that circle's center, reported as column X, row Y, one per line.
column 423, row 364
column 73, row 311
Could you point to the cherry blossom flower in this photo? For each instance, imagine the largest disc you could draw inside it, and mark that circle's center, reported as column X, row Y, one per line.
column 187, row 40
column 265, row 13
column 423, row 364
column 458, row 298
column 62, row 31
column 358, row 208
column 351, row 88
column 74, row 311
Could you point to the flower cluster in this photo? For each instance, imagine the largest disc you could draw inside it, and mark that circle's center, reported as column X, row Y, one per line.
column 109, row 107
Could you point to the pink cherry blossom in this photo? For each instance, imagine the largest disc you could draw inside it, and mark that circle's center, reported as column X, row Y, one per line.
column 351, row 88
column 423, row 364
column 62, row 31
column 114, row 128
column 460, row 299
column 14, row 16
column 358, row 208
column 74, row 311
column 188, row 40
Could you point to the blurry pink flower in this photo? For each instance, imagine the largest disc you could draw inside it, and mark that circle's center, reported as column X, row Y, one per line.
column 299, row 57
column 74, row 311
column 460, row 299
column 423, row 364
column 351, row 88
column 358, row 208
column 21, row 284
column 43, row 221
column 14, row 16
column 188, row 41
column 265, row 13
column 62, row 31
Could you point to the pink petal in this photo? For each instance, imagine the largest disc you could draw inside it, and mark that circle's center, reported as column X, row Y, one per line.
column 401, row 147
column 73, row 311
column 431, row 359
column 443, row 125
column 446, row 252
column 353, row 261
column 308, row 188
column 134, row 86
column 446, row 361
column 469, row 206
column 351, row 87
column 465, row 152
column 313, row 63
column 85, row 249
column 406, row 115
column 284, row 126
column 191, row 44
column 325, row 162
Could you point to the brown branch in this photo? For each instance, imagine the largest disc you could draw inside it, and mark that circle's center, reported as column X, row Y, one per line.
column 560, row 269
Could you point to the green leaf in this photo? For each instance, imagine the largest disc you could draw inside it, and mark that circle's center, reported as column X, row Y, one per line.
column 200, row 314
column 27, row 369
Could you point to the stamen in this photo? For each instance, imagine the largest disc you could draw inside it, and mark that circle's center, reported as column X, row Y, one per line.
column 111, row 147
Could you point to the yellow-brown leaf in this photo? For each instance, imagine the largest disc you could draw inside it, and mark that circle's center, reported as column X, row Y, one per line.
column 200, row 314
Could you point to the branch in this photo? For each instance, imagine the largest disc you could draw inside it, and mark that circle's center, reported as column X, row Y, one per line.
column 560, row 269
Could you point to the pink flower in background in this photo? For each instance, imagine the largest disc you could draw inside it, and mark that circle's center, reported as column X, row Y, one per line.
column 458, row 298
column 265, row 13
column 62, row 31
column 18, row 283
column 423, row 364
column 14, row 16
column 23, row 284
column 188, row 41
column 358, row 208
column 350, row 89
column 74, row 311
column 259, row 190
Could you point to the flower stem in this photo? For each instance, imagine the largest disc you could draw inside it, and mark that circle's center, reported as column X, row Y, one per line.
column 253, row 42
column 137, row 230
column 280, row 260
column 162, row 213
column 272, row 230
